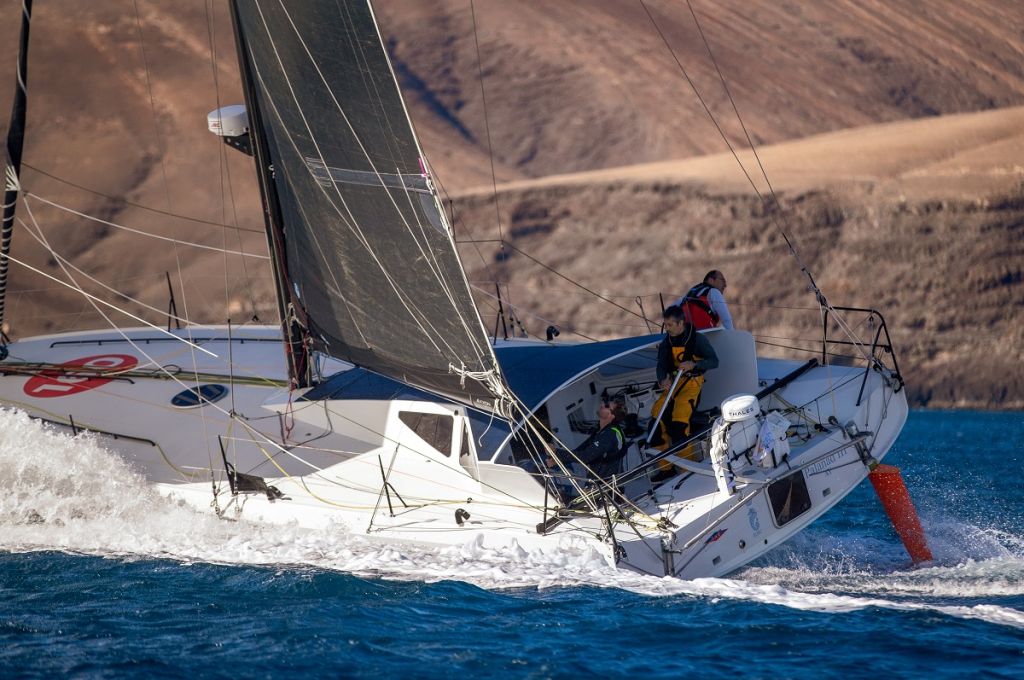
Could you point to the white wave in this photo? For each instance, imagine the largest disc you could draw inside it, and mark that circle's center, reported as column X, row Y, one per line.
column 68, row 493
column 970, row 562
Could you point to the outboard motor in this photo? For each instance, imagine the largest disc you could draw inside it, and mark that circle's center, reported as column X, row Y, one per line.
column 732, row 436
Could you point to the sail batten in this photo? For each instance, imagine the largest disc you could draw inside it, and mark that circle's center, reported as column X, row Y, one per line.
column 369, row 256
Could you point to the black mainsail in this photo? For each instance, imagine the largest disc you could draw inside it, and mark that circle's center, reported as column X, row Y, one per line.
column 369, row 263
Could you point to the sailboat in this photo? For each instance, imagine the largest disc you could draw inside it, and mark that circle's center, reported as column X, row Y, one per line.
column 381, row 406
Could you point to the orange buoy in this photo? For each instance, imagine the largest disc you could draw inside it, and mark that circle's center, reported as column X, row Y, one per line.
column 896, row 500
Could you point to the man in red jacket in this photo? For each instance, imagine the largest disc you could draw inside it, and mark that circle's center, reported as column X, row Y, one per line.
column 704, row 304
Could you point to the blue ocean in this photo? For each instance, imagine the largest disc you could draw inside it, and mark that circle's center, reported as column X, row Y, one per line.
column 101, row 577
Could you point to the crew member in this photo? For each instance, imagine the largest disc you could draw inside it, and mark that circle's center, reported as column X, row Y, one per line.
column 602, row 452
column 704, row 304
column 687, row 352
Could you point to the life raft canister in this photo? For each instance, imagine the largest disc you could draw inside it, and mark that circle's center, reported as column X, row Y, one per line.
column 697, row 308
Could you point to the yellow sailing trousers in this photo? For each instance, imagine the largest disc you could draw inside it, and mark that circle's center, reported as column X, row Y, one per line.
column 674, row 424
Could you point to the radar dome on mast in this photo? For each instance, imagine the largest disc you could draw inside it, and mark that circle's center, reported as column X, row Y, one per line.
column 231, row 123
column 228, row 121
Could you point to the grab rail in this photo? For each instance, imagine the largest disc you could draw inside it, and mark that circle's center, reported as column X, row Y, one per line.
column 874, row 361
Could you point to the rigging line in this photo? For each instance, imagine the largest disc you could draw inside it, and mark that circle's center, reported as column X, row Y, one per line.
column 225, row 165
column 41, row 238
column 139, row 232
column 344, row 213
column 822, row 301
column 746, row 133
column 195, row 364
column 739, row 119
column 56, row 256
column 224, row 245
column 121, row 332
column 487, row 125
column 152, row 104
column 816, row 349
column 571, row 329
column 147, row 277
column 458, row 218
column 221, row 161
column 359, row 458
column 390, row 138
column 563, row 276
column 536, row 425
column 247, row 278
column 161, row 368
column 483, row 352
column 103, row 302
column 429, row 334
column 469, row 333
column 718, row 127
column 139, row 205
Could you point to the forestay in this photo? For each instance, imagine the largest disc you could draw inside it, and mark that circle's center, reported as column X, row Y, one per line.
column 370, row 259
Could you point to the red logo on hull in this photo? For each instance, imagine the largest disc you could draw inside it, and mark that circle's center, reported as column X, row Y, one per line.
column 55, row 383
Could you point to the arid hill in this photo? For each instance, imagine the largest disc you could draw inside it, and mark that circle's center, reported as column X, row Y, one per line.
column 889, row 131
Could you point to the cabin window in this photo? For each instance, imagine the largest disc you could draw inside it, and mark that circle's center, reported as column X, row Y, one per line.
column 433, row 428
column 464, row 455
column 528, row 441
column 489, row 435
column 789, row 498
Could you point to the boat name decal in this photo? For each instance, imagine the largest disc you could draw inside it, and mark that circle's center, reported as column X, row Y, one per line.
column 825, row 465
column 63, row 381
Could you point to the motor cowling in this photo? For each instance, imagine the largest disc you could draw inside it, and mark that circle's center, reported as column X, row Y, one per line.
column 740, row 413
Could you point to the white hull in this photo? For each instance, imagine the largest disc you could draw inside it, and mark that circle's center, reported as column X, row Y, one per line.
column 357, row 464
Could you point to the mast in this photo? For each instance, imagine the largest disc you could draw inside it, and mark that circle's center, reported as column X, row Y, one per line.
column 12, row 167
column 290, row 310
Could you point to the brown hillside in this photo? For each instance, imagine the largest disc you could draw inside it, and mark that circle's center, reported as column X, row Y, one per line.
column 920, row 217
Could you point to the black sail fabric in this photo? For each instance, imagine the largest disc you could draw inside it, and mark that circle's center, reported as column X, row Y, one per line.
column 370, row 260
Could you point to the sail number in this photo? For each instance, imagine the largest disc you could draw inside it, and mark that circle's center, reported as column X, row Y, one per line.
column 59, row 383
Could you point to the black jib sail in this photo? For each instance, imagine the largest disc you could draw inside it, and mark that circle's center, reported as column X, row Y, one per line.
column 370, row 264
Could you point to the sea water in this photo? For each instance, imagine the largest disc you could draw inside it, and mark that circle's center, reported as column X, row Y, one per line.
column 102, row 577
